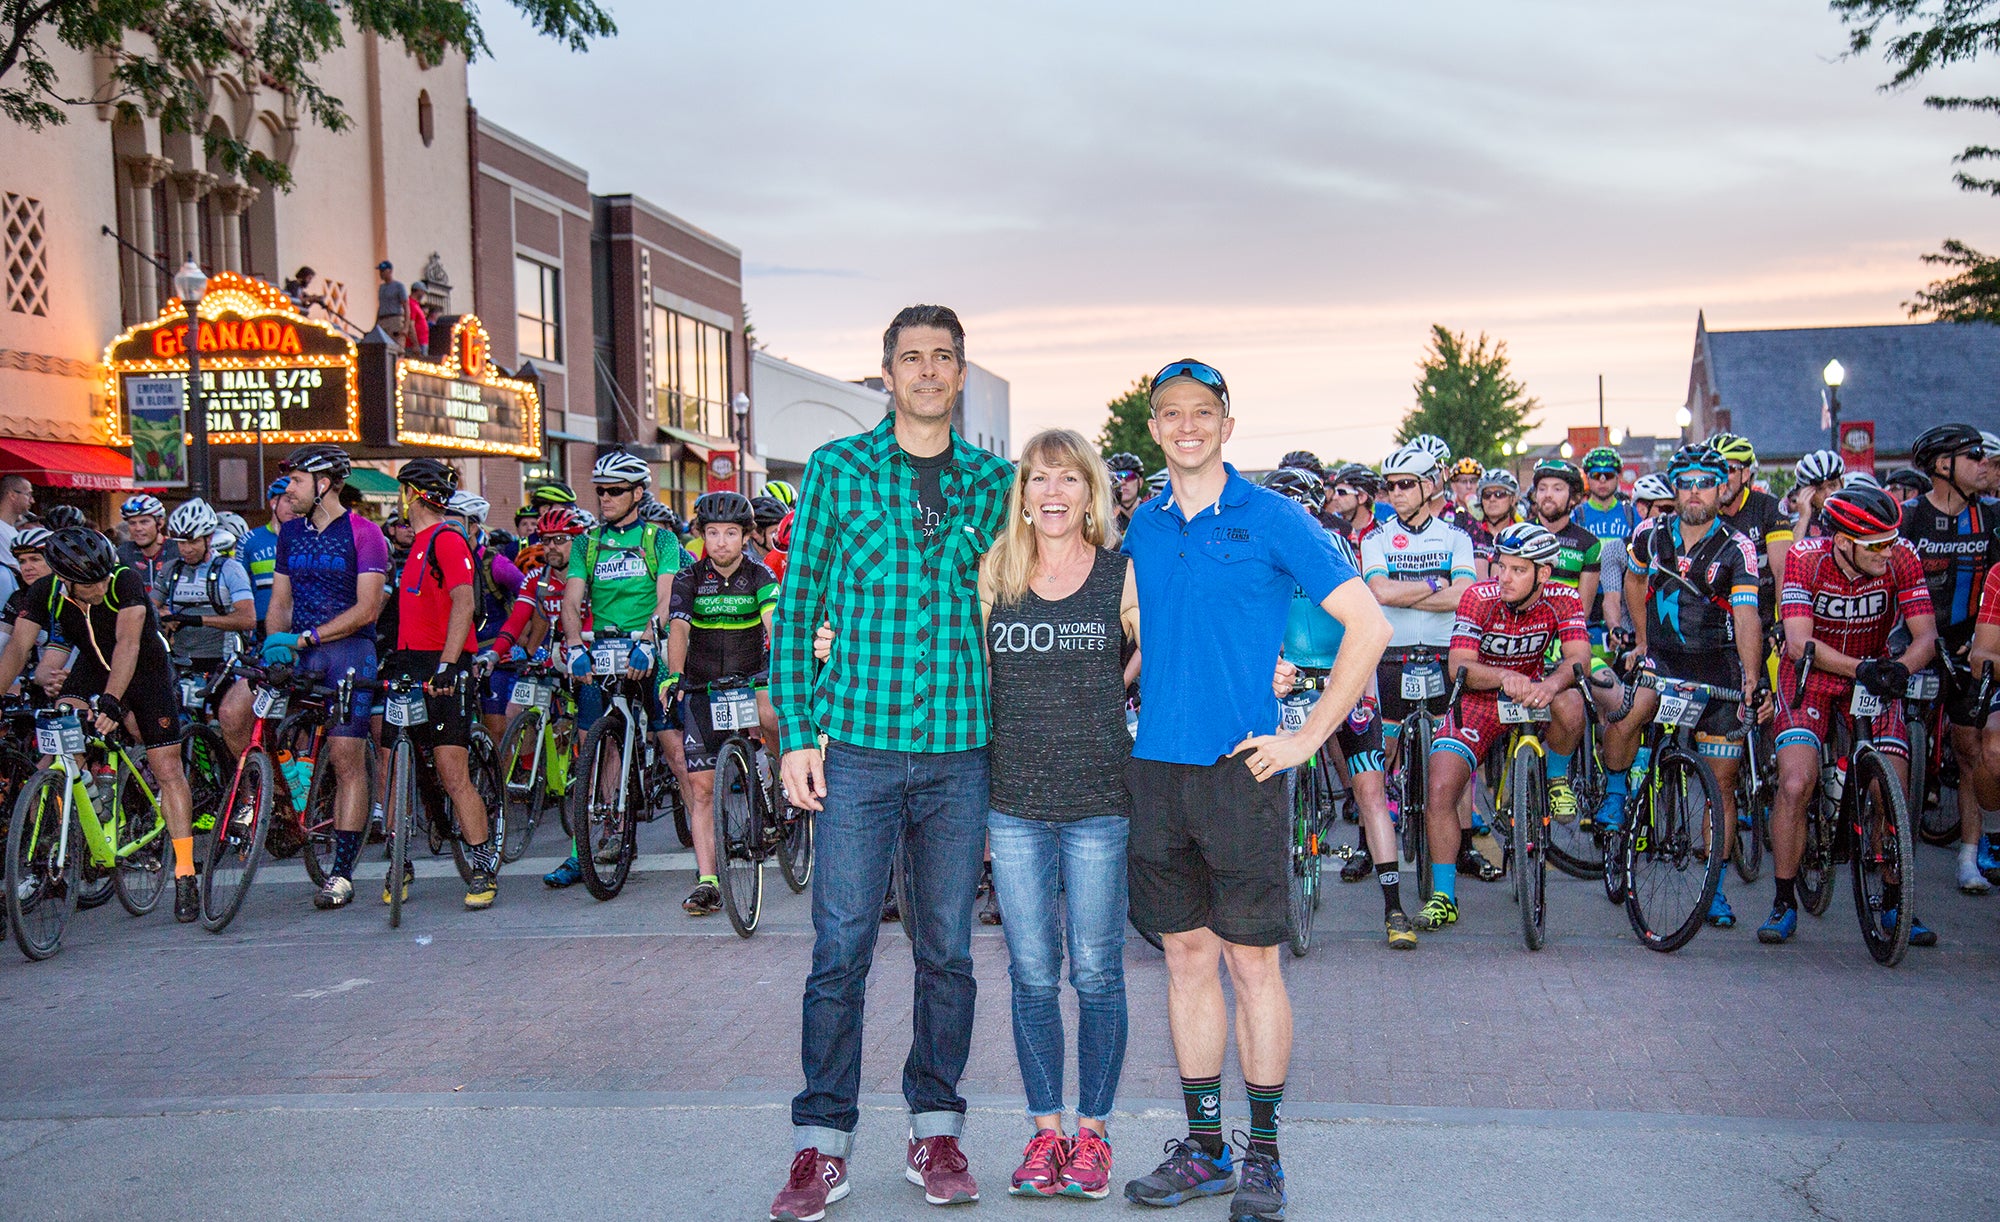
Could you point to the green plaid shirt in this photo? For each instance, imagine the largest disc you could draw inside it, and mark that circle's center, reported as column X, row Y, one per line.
column 908, row 669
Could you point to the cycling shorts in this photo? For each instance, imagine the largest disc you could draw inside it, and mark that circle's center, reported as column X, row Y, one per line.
column 1825, row 700
column 450, row 723
column 155, row 706
column 1475, row 726
column 329, row 662
column 1389, row 681
column 496, row 692
column 1359, row 735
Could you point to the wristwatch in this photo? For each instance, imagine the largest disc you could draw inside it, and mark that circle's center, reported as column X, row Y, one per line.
column 1434, row 584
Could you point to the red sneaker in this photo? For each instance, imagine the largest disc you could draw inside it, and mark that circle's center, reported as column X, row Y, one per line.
column 939, row 1165
column 1040, row 1171
column 815, row 1182
column 1087, row 1171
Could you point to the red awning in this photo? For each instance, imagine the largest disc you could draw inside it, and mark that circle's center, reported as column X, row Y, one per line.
column 64, row 464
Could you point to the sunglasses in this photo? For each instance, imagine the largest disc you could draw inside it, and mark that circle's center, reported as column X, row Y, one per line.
column 1204, row 374
column 1399, row 485
column 1601, row 472
column 1347, row 492
column 1697, row 483
column 618, row 490
column 1879, row 545
column 1495, row 494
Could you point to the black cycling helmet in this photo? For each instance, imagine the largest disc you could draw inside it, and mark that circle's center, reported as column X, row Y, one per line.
column 1908, row 477
column 80, row 554
column 1303, row 460
column 431, row 480
column 319, row 458
column 1299, row 484
column 62, row 517
column 769, row 510
column 724, row 509
column 1944, row 441
column 1359, row 476
column 1126, row 466
column 1562, row 469
column 1861, row 512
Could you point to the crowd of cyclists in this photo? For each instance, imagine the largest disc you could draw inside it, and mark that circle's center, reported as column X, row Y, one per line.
column 1567, row 594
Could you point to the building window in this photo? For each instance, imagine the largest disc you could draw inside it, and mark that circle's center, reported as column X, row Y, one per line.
column 538, row 310
column 426, row 121
column 552, row 469
column 691, row 369
column 27, row 256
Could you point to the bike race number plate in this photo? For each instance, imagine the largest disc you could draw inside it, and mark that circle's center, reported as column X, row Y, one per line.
column 58, row 735
column 407, row 709
column 735, row 709
column 1680, row 704
column 1512, row 714
column 1294, row 708
column 1423, row 683
column 1866, row 703
column 610, row 657
column 530, row 694
column 1923, row 686
column 191, row 690
column 270, row 702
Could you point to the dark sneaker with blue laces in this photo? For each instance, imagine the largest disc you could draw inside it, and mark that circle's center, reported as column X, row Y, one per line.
column 1188, row 1172
column 1260, row 1194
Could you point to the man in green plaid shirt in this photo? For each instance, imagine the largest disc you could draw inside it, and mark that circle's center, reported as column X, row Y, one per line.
column 886, row 546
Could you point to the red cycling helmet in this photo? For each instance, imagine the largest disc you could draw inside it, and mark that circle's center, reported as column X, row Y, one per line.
column 560, row 520
column 1863, row 513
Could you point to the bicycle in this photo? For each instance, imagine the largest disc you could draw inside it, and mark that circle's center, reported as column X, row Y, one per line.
column 1576, row 847
column 1756, row 792
column 1312, row 814
column 1859, row 811
column 753, row 823
column 205, row 757
column 537, row 753
column 73, row 820
column 1524, row 814
column 1930, row 747
column 413, row 778
column 1664, row 832
column 1422, row 683
column 621, row 765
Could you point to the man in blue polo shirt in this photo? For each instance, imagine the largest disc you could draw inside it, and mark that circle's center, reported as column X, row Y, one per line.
column 1217, row 563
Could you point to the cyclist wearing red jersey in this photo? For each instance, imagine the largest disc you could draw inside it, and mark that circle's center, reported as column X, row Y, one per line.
column 1501, row 640
column 1844, row 591
column 1984, row 655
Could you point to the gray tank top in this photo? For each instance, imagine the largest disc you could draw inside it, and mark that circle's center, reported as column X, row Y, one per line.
column 1058, row 744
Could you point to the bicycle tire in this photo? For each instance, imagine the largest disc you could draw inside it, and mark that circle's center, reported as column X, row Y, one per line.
column 1875, row 857
column 483, row 769
column 597, row 819
column 236, row 847
column 1937, row 823
column 1674, row 840
column 142, row 870
column 315, row 830
column 1298, row 882
column 1527, row 803
column 41, row 897
column 403, row 809
column 1747, row 854
column 523, row 761
column 739, row 836
column 209, row 767
column 1413, row 833
column 1815, row 883
column 795, row 850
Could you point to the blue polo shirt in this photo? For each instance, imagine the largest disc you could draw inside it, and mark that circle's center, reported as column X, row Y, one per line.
column 1214, row 594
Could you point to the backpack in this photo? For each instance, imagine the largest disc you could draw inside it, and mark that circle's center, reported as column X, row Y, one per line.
column 173, row 583
column 648, row 546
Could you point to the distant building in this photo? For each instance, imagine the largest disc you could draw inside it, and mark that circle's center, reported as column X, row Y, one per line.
column 983, row 414
column 794, row 411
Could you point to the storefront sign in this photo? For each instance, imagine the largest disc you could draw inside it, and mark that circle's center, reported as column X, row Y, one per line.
column 464, row 404
column 1857, row 445
column 267, row 372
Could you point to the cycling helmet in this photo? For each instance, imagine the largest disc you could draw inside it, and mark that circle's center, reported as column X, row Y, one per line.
column 78, row 553
column 192, row 520
column 619, row 467
column 319, row 458
column 555, row 492
column 527, row 510
column 1989, row 441
column 782, row 491
column 1603, row 460
column 1361, row 477
column 1529, row 539
column 277, row 488
column 769, row 510
column 233, row 522
column 585, row 518
column 1863, row 513
column 1156, row 483
column 394, row 520
column 651, row 510
column 1299, row 484
column 1562, row 469
column 1733, row 448
column 1412, row 459
column 431, row 480
column 474, row 507
column 1499, row 477
column 501, row 538
column 561, row 520
column 1697, row 458
column 32, row 539
column 1434, row 445
column 1818, row 467
column 1122, row 465
column 1944, row 441
column 1859, row 479
column 1911, row 478
column 61, row 517
column 142, row 505
column 1651, row 487
column 1467, row 466
column 724, row 509
column 1302, row 460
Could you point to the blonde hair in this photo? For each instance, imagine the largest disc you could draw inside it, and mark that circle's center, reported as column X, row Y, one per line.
column 1011, row 561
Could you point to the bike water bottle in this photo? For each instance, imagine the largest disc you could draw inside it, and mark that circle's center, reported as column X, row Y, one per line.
column 1640, row 763
column 100, row 788
column 1833, row 778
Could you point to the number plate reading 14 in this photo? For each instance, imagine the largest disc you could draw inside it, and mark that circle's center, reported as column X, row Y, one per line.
column 270, row 702
column 733, row 710
column 1426, row 683
column 1512, row 714
column 530, row 694
column 1866, row 703
column 407, row 710
column 1294, row 710
column 1679, row 706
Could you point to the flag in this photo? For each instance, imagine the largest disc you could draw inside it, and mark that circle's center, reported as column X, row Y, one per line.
column 1825, row 408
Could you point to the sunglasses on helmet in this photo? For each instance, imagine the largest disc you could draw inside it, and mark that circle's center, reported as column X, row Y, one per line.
column 1202, row 373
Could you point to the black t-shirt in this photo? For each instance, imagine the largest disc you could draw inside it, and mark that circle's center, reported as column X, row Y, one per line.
column 1690, row 630
column 1956, row 550
column 1760, row 519
column 94, row 632
column 930, row 491
column 149, row 571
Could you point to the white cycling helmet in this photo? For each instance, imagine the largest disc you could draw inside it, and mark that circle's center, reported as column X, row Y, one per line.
column 1413, row 459
column 1860, row 479
column 1651, row 488
column 234, row 523
column 1499, row 477
column 473, row 507
column 192, row 520
column 1436, row 446
column 1818, row 467
column 1528, row 539
column 619, row 467
column 143, row 505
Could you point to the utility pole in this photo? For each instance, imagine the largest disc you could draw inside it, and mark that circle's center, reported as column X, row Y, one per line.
column 1603, row 438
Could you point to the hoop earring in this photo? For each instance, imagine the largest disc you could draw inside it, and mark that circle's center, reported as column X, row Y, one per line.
column 1027, row 517
column 1086, row 517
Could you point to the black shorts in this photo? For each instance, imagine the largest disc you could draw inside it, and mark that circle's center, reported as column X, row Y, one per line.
column 153, row 701
column 1957, row 690
column 450, row 723
column 1389, row 684
column 1210, row 846
column 1719, row 718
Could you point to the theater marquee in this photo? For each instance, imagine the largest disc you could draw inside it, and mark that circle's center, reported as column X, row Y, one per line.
column 464, row 404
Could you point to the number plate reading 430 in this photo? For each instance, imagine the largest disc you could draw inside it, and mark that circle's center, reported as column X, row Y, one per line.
column 1512, row 714
column 270, row 702
column 1294, row 710
column 407, row 710
column 733, row 710
column 1425, row 683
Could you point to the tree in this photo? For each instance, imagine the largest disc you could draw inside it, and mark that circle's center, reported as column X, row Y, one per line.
column 1927, row 35
column 1466, row 396
column 1125, row 429
column 163, row 51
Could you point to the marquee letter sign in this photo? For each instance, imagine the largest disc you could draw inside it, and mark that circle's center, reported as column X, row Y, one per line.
column 463, row 404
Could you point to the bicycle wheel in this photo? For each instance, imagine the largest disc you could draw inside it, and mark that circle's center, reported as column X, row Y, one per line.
column 403, row 810
column 1747, row 854
column 484, row 769
column 1415, row 837
column 1527, row 793
column 1937, row 819
column 42, row 872
column 603, row 833
column 315, row 815
column 524, row 783
column 1299, row 878
column 237, row 845
column 209, row 767
column 739, row 837
column 1884, row 855
column 1674, row 871
column 795, row 850
column 1815, row 885
column 140, row 834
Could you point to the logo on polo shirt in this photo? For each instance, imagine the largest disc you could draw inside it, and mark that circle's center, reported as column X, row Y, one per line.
column 1401, row 541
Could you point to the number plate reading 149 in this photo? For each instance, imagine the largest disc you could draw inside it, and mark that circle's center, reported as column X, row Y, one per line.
column 407, row 710
column 1512, row 714
column 609, row 657
column 1294, row 710
column 733, row 710
column 1423, row 683
column 270, row 702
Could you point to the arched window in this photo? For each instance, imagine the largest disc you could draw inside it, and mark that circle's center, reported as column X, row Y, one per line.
column 426, row 121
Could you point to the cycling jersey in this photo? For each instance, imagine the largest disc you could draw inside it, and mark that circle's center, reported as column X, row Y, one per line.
column 132, row 558
column 1312, row 637
column 725, row 617
column 93, row 629
column 324, row 567
column 1516, row 640
column 424, row 596
column 1989, row 597
column 541, row 594
column 621, row 576
column 1853, row 615
column 1581, row 553
column 1955, row 550
column 1691, row 594
column 1614, row 521
column 1760, row 518
column 1399, row 552
column 500, row 583
column 210, row 588
column 259, row 554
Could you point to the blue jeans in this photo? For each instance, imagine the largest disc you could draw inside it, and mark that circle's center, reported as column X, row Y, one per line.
column 936, row 805
column 1049, row 876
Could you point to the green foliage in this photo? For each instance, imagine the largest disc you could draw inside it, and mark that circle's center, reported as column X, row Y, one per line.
column 1973, row 295
column 1125, row 427
column 1466, row 395
column 164, row 50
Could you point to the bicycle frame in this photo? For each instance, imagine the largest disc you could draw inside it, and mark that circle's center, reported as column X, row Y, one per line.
column 99, row 834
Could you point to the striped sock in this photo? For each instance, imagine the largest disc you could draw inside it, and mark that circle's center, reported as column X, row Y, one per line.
column 1264, row 1101
column 1203, row 1100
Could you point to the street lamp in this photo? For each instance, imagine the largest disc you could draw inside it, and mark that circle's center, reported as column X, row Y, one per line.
column 1566, row 450
column 740, row 405
column 189, row 284
column 1834, row 374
